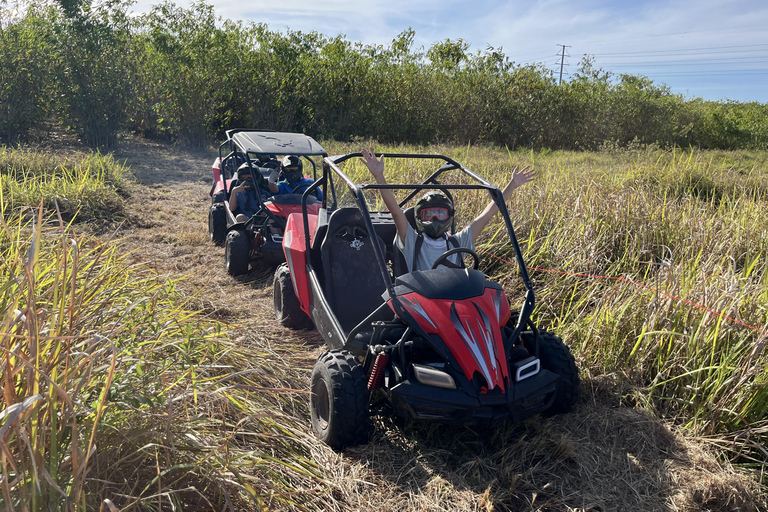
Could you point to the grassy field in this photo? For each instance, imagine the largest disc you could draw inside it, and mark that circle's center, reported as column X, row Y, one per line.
column 121, row 384
column 652, row 264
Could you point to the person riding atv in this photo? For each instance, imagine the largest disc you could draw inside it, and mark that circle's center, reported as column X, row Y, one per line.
column 432, row 343
column 249, row 222
column 243, row 201
column 293, row 177
column 433, row 215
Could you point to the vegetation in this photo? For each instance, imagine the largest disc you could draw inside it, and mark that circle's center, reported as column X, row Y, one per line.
column 99, row 361
column 651, row 264
column 115, row 388
column 649, row 260
column 185, row 74
column 88, row 186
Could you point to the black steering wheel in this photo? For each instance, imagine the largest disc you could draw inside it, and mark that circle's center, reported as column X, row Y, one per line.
column 457, row 250
column 297, row 187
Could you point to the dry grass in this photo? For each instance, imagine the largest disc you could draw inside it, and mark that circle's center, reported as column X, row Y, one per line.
column 206, row 446
column 684, row 231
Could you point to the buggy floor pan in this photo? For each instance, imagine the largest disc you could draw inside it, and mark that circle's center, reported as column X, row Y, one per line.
column 272, row 253
column 412, row 399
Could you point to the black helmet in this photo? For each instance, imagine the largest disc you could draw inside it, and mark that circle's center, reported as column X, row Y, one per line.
column 245, row 170
column 292, row 168
column 433, row 214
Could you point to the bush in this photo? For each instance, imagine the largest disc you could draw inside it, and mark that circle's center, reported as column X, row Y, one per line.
column 185, row 74
column 96, row 72
column 25, row 64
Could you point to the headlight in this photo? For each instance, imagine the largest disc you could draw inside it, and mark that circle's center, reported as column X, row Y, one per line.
column 433, row 377
column 528, row 367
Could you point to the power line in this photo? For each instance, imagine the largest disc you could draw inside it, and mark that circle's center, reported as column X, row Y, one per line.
column 678, row 63
column 725, row 72
column 653, row 52
column 691, row 52
column 683, row 54
column 740, row 29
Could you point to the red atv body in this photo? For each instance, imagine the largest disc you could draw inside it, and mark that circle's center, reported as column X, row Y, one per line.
column 259, row 238
column 437, row 345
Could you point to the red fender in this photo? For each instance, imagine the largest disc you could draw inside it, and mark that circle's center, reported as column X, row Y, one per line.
column 295, row 250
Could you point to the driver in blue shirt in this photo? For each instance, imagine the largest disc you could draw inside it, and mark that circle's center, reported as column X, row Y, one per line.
column 242, row 198
column 293, row 177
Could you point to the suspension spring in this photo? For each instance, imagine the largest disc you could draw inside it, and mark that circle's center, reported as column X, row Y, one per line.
column 377, row 373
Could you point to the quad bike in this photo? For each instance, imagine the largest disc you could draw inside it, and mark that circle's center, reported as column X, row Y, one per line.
column 259, row 239
column 440, row 345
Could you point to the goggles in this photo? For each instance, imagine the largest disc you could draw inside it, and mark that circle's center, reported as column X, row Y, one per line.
column 438, row 213
column 291, row 169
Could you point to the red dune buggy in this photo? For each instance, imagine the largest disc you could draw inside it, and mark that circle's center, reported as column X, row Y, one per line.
column 439, row 345
column 260, row 237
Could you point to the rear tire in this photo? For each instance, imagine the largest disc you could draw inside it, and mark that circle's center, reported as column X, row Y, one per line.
column 237, row 253
column 217, row 223
column 287, row 307
column 340, row 401
column 556, row 357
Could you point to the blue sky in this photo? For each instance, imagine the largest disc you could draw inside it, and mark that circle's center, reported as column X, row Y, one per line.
column 715, row 50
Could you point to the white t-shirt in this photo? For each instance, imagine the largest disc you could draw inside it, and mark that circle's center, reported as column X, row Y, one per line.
column 431, row 249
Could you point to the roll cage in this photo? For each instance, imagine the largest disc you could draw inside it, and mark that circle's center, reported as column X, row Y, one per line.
column 248, row 146
column 333, row 174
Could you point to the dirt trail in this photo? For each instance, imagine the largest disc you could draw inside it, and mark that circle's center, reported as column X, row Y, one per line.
column 604, row 456
column 168, row 229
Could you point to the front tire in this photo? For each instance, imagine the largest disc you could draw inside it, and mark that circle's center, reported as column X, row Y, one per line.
column 287, row 307
column 237, row 252
column 217, row 223
column 556, row 357
column 340, row 400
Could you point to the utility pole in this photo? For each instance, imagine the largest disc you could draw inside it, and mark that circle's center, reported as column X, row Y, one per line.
column 562, row 62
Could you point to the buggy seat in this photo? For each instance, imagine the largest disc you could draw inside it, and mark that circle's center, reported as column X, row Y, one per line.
column 352, row 280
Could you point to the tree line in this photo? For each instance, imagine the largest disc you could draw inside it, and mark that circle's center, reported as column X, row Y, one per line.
column 185, row 74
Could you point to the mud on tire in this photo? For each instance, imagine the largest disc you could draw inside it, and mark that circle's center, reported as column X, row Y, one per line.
column 287, row 308
column 237, row 253
column 339, row 404
column 556, row 357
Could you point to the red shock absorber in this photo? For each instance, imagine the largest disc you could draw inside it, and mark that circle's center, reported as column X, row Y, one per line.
column 377, row 373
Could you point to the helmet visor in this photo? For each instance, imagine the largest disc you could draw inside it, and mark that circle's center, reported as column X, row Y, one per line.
column 292, row 174
column 438, row 213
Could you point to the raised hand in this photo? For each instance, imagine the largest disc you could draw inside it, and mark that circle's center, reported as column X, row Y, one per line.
column 375, row 166
column 519, row 178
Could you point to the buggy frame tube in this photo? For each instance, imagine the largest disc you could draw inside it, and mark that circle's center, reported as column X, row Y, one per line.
column 330, row 165
column 329, row 168
column 494, row 191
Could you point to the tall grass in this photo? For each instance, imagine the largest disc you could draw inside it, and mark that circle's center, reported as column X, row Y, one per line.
column 113, row 390
column 115, row 393
column 651, row 264
column 89, row 185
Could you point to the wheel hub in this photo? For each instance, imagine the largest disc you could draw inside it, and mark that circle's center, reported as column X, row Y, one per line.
column 321, row 403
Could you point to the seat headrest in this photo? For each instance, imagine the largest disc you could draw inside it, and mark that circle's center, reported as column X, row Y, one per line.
column 410, row 216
